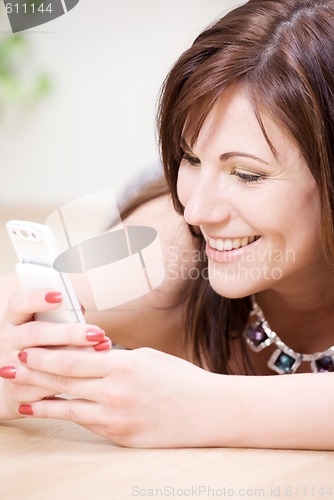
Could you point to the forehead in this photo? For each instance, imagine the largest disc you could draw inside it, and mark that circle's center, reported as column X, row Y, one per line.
column 232, row 125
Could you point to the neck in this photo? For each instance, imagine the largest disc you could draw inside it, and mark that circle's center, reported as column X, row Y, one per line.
column 309, row 290
column 302, row 311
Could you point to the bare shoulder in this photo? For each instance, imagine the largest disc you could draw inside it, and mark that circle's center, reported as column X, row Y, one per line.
column 155, row 319
column 161, row 215
column 177, row 243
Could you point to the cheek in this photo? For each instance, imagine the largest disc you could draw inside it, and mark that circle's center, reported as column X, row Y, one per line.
column 183, row 186
column 306, row 207
column 295, row 220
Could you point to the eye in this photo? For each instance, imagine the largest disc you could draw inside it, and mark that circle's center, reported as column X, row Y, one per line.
column 192, row 160
column 248, row 178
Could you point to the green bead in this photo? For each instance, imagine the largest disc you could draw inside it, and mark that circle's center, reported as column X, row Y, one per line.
column 284, row 362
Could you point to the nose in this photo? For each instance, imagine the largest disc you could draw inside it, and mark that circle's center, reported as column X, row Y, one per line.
column 208, row 203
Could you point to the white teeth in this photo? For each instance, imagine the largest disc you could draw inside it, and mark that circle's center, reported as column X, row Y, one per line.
column 219, row 245
column 230, row 244
column 237, row 243
column 212, row 243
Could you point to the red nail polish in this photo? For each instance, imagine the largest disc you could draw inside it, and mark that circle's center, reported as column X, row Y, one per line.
column 8, row 372
column 53, row 297
column 25, row 410
column 83, row 309
column 22, row 355
column 98, row 336
column 103, row 346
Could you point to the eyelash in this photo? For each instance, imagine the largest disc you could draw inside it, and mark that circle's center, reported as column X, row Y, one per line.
column 195, row 162
column 246, row 178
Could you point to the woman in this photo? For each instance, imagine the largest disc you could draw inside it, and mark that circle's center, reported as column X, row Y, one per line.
column 246, row 124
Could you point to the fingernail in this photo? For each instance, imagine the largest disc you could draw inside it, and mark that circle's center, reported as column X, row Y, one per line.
column 8, row 372
column 95, row 336
column 83, row 309
column 22, row 355
column 25, row 410
column 103, row 346
column 53, row 297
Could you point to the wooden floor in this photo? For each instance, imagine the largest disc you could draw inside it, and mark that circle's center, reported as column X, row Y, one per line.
column 49, row 459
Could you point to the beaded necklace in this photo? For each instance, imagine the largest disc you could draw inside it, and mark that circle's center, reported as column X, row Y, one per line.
column 284, row 360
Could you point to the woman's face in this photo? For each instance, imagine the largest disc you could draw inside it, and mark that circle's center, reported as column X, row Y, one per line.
column 259, row 214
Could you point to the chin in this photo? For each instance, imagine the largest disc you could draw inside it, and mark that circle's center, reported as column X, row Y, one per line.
column 236, row 289
column 236, row 282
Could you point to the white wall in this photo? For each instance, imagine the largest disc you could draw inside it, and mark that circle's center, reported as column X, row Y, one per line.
column 107, row 60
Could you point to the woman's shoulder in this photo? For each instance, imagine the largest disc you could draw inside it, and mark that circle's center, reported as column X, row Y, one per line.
column 171, row 227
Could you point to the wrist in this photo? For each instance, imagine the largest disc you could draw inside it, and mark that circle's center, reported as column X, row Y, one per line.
column 214, row 411
column 227, row 415
column 222, row 411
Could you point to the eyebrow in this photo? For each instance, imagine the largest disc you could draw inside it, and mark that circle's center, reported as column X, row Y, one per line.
column 226, row 156
column 232, row 154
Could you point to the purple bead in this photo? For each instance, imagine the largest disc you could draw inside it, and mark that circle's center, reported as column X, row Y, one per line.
column 257, row 335
column 325, row 364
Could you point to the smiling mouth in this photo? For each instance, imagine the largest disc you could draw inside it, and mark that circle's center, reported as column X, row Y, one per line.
column 231, row 244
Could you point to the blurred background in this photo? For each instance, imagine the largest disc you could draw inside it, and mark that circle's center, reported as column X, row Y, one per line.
column 78, row 99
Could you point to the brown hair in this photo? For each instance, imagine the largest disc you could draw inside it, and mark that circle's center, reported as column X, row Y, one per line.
column 282, row 54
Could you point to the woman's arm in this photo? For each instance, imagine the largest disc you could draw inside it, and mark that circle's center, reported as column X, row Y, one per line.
column 286, row 412
column 146, row 398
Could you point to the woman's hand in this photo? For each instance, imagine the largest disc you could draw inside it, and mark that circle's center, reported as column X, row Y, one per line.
column 139, row 398
column 19, row 331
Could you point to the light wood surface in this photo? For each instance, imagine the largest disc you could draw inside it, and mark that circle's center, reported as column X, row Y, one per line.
column 48, row 459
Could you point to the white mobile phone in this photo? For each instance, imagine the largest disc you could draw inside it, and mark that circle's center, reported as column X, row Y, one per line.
column 36, row 250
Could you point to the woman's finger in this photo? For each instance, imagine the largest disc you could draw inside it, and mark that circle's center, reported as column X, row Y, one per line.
column 24, row 304
column 29, row 392
column 80, row 411
column 42, row 333
column 49, row 384
column 72, row 363
column 88, row 414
